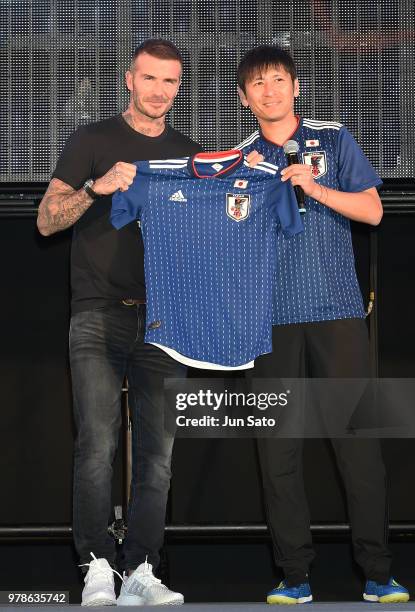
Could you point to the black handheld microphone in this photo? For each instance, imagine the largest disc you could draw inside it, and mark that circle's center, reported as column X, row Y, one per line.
column 291, row 148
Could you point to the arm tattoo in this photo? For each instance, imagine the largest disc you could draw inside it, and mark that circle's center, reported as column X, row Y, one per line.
column 61, row 207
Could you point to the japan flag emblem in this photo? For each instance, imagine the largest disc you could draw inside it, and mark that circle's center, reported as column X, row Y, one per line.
column 238, row 206
column 241, row 183
column 318, row 162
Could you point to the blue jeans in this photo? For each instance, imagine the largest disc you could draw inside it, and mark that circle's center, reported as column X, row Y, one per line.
column 106, row 345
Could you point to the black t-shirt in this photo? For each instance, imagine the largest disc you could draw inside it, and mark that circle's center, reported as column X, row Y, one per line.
column 106, row 264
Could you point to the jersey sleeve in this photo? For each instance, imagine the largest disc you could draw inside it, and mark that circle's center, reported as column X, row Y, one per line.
column 75, row 163
column 355, row 172
column 127, row 205
column 284, row 207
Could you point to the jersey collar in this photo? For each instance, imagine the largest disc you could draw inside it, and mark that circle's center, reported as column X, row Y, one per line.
column 277, row 144
column 215, row 165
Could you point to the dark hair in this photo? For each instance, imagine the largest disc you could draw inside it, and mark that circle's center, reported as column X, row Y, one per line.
column 260, row 59
column 158, row 47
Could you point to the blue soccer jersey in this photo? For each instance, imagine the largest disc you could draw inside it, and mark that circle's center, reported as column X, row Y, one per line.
column 315, row 277
column 209, row 230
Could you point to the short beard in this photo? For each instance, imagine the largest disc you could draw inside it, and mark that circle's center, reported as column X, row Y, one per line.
column 145, row 112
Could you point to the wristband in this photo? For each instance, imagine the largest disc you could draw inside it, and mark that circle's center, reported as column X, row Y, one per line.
column 87, row 187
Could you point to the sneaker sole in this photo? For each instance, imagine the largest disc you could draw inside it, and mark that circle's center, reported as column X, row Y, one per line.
column 132, row 601
column 392, row 598
column 288, row 601
column 99, row 602
column 169, row 603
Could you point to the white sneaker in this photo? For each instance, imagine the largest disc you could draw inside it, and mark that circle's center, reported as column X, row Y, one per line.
column 99, row 584
column 143, row 588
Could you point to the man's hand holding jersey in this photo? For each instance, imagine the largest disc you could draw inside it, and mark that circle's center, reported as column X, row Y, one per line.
column 253, row 158
column 120, row 176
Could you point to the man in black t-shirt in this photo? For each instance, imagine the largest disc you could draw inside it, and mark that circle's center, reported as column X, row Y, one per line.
column 107, row 330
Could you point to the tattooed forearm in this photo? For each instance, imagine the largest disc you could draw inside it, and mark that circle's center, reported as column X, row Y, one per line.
column 61, row 207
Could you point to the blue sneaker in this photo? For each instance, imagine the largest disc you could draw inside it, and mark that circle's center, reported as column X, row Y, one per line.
column 284, row 594
column 392, row 592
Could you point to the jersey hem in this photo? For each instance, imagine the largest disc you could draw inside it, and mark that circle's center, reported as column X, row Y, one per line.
column 200, row 365
column 321, row 319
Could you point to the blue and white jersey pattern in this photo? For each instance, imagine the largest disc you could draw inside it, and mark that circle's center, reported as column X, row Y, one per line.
column 209, row 229
column 315, row 277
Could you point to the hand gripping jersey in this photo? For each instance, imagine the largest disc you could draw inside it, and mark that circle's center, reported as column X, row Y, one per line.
column 208, row 224
column 315, row 277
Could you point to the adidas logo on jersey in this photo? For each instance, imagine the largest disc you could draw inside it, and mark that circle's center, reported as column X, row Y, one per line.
column 178, row 197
